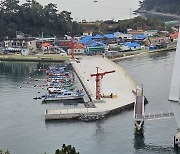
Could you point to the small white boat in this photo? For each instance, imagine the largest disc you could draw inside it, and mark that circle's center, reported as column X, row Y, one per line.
column 54, row 89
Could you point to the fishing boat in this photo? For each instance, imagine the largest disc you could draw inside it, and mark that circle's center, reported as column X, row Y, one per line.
column 54, row 89
column 56, row 68
column 63, row 95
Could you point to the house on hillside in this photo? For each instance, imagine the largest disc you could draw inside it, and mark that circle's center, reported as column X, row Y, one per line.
column 129, row 46
column 135, row 32
column 22, row 43
column 78, row 49
column 109, row 39
column 86, row 40
column 95, row 48
column 151, row 33
column 139, row 37
column 174, row 36
column 97, row 37
column 122, row 36
column 88, row 32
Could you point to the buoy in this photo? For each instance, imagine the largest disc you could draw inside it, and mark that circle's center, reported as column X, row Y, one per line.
column 20, row 87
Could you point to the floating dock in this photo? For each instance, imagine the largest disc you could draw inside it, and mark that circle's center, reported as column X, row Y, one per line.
column 116, row 88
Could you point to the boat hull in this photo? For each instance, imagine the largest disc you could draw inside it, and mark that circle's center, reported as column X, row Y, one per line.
column 62, row 98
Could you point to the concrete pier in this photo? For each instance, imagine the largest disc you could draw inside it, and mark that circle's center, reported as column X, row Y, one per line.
column 119, row 84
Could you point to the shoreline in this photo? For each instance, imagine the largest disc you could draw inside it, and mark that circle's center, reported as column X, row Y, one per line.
column 34, row 58
column 163, row 14
column 157, row 13
column 57, row 58
column 139, row 53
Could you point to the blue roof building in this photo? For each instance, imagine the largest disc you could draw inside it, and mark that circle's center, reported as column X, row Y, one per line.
column 109, row 36
column 139, row 37
column 87, row 40
column 118, row 34
column 132, row 44
column 97, row 36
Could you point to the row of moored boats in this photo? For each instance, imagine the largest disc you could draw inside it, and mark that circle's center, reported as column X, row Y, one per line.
column 61, row 85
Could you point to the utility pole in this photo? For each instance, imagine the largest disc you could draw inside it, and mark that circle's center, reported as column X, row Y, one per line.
column 130, row 12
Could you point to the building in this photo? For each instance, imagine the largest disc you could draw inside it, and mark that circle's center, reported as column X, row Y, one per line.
column 135, row 32
column 174, row 36
column 22, row 42
column 151, row 33
column 78, row 49
column 129, row 46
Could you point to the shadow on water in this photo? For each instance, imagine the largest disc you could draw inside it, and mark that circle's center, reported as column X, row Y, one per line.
column 65, row 102
column 139, row 139
column 139, row 144
column 50, row 123
column 159, row 55
column 22, row 69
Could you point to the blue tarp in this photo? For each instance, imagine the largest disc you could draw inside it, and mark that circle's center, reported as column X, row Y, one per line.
column 152, row 47
column 86, row 40
column 132, row 44
column 117, row 34
column 97, row 36
column 109, row 36
column 139, row 36
column 95, row 44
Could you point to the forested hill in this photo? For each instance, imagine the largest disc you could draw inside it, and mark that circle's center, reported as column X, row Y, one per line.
column 33, row 18
column 164, row 6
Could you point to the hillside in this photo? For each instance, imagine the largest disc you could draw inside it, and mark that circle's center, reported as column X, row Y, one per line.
column 164, row 6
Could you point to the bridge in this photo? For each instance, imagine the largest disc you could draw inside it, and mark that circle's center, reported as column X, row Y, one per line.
column 139, row 109
column 174, row 94
column 139, row 114
column 174, row 98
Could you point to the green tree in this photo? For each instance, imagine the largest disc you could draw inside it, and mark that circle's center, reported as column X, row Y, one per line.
column 66, row 150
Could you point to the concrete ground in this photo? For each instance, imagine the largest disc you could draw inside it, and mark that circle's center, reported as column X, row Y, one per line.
column 118, row 83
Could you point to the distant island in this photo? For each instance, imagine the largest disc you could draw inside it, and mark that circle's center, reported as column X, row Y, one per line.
column 170, row 7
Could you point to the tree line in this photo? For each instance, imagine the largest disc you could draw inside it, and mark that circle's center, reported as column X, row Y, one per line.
column 137, row 23
column 164, row 6
column 32, row 18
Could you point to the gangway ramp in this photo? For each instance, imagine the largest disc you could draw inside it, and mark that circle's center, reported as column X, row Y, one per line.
column 139, row 109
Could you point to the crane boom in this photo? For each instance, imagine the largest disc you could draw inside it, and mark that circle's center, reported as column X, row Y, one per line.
column 99, row 76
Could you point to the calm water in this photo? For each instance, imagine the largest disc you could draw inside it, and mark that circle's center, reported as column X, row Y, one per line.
column 23, row 129
column 91, row 11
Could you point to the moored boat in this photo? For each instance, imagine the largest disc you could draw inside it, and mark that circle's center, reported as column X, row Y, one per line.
column 63, row 95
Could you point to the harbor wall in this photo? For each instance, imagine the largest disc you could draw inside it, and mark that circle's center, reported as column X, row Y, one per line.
column 82, row 83
column 62, row 116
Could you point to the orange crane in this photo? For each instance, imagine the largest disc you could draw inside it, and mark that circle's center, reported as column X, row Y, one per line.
column 99, row 76
column 72, row 49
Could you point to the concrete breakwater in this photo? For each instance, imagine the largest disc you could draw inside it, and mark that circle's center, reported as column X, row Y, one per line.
column 34, row 58
column 119, row 83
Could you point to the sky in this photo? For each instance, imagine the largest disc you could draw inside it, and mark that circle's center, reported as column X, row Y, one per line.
column 92, row 11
